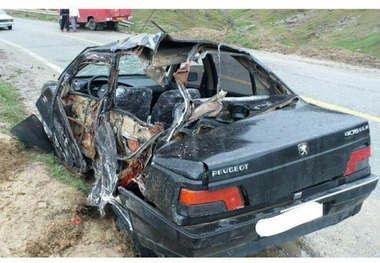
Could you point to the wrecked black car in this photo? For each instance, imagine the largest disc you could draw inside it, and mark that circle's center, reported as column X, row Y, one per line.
column 200, row 150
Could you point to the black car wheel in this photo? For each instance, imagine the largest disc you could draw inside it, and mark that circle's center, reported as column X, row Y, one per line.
column 10, row 27
column 92, row 24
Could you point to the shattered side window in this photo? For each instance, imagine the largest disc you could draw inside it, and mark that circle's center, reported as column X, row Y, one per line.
column 94, row 69
column 131, row 65
column 235, row 78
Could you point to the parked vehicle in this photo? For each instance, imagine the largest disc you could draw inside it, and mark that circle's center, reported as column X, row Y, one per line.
column 199, row 148
column 5, row 20
column 98, row 19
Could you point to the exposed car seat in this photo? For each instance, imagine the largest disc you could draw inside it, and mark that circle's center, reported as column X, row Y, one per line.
column 135, row 100
column 163, row 110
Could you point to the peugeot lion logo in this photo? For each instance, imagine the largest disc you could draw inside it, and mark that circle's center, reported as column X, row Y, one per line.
column 303, row 149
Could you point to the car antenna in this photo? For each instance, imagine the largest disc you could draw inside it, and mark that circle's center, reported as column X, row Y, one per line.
column 147, row 21
column 154, row 23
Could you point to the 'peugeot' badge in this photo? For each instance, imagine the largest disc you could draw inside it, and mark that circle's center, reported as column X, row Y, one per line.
column 303, row 149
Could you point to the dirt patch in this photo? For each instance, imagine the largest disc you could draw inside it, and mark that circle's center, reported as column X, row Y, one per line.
column 12, row 158
column 41, row 217
column 56, row 238
column 203, row 33
column 28, row 207
column 101, row 239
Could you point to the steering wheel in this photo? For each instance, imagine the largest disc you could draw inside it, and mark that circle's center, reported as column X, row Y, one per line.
column 92, row 80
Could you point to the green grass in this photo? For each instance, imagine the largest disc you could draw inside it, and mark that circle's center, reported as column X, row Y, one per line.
column 175, row 20
column 241, row 39
column 11, row 110
column 60, row 172
column 367, row 45
column 354, row 30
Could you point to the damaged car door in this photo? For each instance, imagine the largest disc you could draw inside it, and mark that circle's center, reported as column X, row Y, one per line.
column 99, row 121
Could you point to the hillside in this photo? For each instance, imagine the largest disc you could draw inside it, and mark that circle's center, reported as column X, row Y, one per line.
column 350, row 36
column 328, row 34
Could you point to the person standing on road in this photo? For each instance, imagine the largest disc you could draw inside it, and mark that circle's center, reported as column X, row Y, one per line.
column 65, row 19
column 74, row 14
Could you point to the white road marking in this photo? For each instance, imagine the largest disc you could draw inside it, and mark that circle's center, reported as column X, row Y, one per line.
column 34, row 55
column 76, row 38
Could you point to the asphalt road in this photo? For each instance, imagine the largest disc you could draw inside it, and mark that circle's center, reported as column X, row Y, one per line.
column 341, row 86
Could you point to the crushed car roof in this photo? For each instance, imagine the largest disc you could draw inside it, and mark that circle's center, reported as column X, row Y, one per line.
column 154, row 41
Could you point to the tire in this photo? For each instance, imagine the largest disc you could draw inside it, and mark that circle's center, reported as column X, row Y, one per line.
column 10, row 27
column 92, row 24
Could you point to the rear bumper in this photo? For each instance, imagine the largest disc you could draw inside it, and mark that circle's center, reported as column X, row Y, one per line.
column 236, row 236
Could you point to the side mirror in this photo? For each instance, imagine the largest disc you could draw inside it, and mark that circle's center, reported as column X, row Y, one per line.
column 193, row 76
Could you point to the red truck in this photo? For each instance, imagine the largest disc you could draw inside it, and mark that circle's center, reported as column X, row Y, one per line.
column 97, row 19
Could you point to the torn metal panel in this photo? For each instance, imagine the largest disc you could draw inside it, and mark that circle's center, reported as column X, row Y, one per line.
column 244, row 99
column 150, row 41
column 219, row 70
column 209, row 108
column 132, row 128
column 82, row 115
column 171, row 55
column 105, row 168
column 58, row 127
column 133, row 169
column 158, row 74
column 183, row 111
column 31, row 132
column 182, row 74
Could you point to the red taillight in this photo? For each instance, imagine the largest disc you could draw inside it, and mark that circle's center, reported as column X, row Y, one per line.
column 356, row 157
column 230, row 196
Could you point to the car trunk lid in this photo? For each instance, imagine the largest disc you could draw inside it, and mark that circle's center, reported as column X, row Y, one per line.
column 275, row 154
